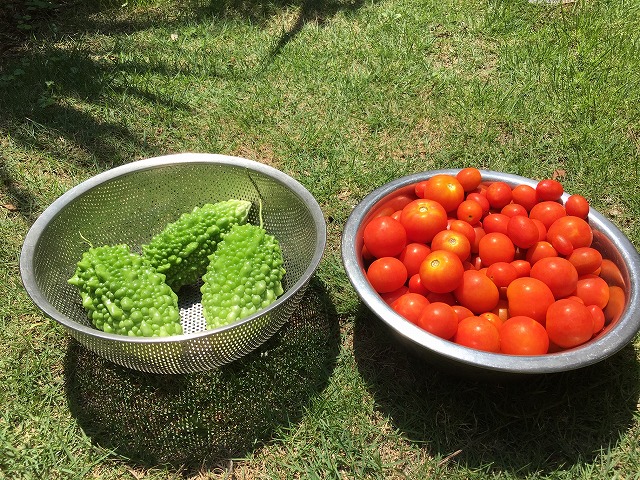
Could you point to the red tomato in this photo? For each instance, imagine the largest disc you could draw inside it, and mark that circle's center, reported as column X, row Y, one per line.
column 549, row 190
column 413, row 255
column 469, row 178
column 495, row 222
column 521, row 335
column 577, row 206
column 477, row 292
column 523, row 268
column 479, row 231
column 540, row 250
column 585, row 259
column 387, row 274
column 524, row 195
column 562, row 244
column 529, row 297
column 522, row 231
column 514, row 209
column 391, row 297
column 502, row 273
column 616, row 304
column 470, row 211
column 611, row 274
column 481, row 200
column 499, row 194
column 464, row 228
column 393, row 205
column 415, row 285
column 496, row 247
column 454, row 242
column 558, row 273
column 574, row 229
column 569, row 323
column 422, row 219
column 547, row 212
column 598, row 318
column 493, row 318
column 441, row 271
column 410, row 306
column 463, row 312
column 593, row 290
column 439, row 319
column 542, row 230
column 384, row 237
column 478, row 333
column 444, row 189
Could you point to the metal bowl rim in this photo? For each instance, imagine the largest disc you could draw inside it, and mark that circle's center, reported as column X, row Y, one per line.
column 31, row 239
column 593, row 352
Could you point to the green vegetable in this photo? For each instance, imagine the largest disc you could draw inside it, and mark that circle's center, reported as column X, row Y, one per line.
column 244, row 275
column 123, row 294
column 182, row 249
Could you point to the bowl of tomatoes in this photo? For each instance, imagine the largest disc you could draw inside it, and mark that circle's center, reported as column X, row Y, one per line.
column 488, row 273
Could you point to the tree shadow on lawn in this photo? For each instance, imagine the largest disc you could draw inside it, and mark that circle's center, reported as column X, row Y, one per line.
column 196, row 420
column 536, row 425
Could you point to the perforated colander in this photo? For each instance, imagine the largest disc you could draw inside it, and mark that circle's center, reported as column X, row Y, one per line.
column 129, row 204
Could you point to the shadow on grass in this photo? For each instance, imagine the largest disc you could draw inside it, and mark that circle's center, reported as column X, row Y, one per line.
column 195, row 420
column 538, row 425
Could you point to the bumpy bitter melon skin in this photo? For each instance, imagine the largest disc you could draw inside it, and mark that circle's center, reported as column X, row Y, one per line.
column 123, row 294
column 181, row 251
column 244, row 275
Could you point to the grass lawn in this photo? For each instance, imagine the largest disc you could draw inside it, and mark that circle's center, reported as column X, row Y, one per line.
column 343, row 95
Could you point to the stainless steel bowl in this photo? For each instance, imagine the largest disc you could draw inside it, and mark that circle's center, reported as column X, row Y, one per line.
column 608, row 239
column 130, row 203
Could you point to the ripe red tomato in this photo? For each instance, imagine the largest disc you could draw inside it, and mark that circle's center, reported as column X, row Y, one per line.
column 549, row 190
column 577, row 206
column 470, row 211
column 514, row 209
column 452, row 241
column 499, row 194
column 496, row 247
column 569, row 323
column 495, row 222
column 558, row 274
column 413, row 255
column 585, row 259
column 598, row 318
column 524, row 195
column 410, row 306
column 493, row 318
column 540, row 250
column 415, row 285
column 547, row 212
column 522, row 231
column 444, row 189
column 574, row 229
column 439, row 319
column 502, row 273
column 522, row 267
column 529, row 297
column 387, row 274
column 463, row 312
column 464, row 228
column 384, row 237
column 616, row 304
column 481, row 200
column 441, row 271
column 593, row 290
column 477, row 292
column 469, row 178
column 478, row 333
column 390, row 297
column 393, row 205
column 422, row 219
column 479, row 231
column 521, row 335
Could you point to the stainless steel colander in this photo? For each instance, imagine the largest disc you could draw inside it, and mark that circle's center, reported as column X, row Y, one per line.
column 129, row 204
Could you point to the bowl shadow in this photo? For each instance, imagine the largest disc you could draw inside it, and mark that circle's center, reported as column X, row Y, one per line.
column 194, row 420
column 532, row 425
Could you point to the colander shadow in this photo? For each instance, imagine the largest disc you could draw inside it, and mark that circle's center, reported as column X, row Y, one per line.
column 194, row 420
